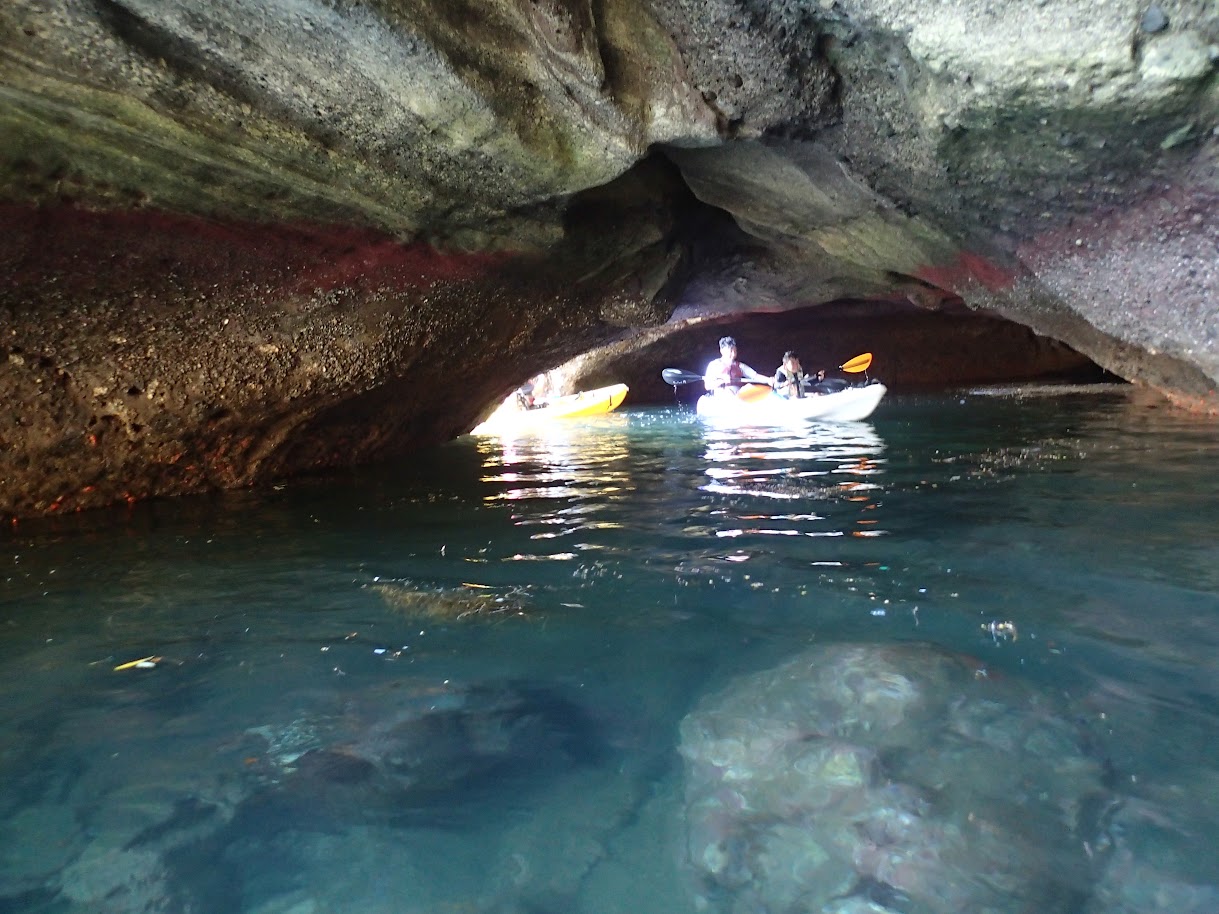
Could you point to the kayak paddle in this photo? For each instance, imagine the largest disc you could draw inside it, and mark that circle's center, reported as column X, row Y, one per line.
column 677, row 376
column 859, row 363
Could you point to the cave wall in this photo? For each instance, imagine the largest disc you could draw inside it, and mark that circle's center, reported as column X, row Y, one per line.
column 152, row 354
column 240, row 242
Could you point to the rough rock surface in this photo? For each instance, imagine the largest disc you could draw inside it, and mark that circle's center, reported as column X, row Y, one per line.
column 239, row 243
column 341, row 787
column 902, row 778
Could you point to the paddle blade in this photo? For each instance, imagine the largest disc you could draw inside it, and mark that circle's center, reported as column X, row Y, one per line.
column 752, row 393
column 677, row 376
column 859, row 363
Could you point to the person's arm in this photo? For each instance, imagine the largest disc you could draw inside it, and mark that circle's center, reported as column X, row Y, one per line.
column 751, row 375
column 715, row 377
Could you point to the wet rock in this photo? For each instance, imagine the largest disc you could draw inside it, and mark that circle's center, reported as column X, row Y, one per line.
column 1181, row 58
column 1149, row 853
column 1154, row 20
column 347, row 788
column 35, row 843
column 110, row 880
column 1133, row 886
column 885, row 776
column 451, row 604
column 295, row 903
column 439, row 750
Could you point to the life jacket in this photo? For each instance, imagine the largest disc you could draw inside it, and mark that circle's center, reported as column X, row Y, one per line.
column 784, row 377
column 732, row 370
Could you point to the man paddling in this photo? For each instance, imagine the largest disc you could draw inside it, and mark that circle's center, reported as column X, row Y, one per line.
column 726, row 374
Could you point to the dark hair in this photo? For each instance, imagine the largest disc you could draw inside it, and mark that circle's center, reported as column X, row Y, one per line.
column 727, row 341
column 789, row 355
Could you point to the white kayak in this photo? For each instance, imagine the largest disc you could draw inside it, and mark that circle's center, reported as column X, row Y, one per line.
column 851, row 404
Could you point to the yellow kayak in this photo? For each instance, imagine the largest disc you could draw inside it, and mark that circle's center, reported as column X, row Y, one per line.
column 510, row 416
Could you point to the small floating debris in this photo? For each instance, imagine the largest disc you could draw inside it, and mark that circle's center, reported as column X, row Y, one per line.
column 144, row 663
column 1005, row 631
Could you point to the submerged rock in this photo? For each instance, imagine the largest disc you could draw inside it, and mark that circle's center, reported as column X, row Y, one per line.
column 436, row 750
column 388, row 763
column 467, row 602
column 1154, row 19
column 885, row 778
column 118, row 881
column 1150, row 863
column 224, row 823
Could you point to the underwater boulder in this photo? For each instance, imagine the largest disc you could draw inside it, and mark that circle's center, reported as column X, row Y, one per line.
column 419, row 751
column 898, row 776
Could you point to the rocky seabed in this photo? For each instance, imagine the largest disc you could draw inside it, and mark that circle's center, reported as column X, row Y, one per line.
column 859, row 779
column 850, row 779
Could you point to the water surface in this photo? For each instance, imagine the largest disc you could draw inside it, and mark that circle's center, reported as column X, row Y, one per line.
column 501, row 678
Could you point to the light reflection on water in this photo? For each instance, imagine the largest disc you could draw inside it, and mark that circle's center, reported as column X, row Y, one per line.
column 544, row 673
column 558, row 462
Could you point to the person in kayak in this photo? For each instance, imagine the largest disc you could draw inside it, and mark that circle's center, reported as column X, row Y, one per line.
column 532, row 394
column 790, row 377
column 726, row 374
column 524, row 396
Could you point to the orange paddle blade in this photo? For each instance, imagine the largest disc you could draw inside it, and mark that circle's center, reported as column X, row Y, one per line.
column 859, row 363
column 752, row 393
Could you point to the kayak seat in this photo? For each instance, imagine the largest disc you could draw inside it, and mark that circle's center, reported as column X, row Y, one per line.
column 828, row 386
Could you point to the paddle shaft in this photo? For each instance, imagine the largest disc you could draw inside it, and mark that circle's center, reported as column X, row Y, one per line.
column 678, row 376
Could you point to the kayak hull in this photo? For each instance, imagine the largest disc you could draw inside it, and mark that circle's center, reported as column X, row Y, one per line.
column 597, row 402
column 851, row 404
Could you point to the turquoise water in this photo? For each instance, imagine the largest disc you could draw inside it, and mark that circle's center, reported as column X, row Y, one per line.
column 504, row 678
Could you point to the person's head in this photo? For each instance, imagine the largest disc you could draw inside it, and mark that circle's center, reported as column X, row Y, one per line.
column 790, row 360
column 727, row 346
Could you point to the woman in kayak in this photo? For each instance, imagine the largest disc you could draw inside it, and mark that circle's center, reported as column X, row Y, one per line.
column 790, row 377
column 726, row 374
